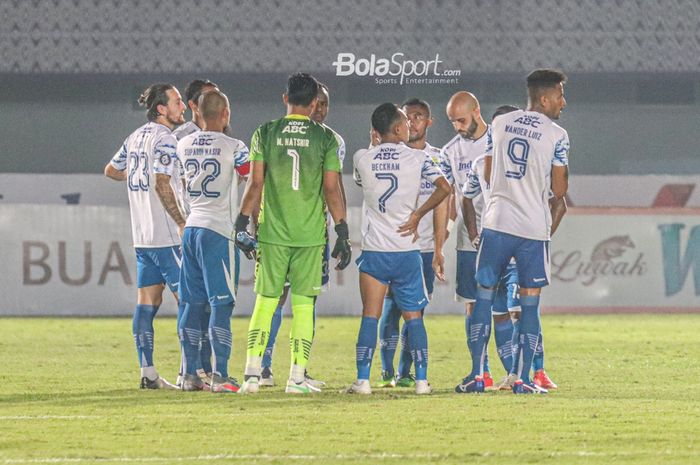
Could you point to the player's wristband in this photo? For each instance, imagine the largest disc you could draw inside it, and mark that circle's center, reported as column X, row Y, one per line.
column 242, row 222
column 450, row 225
column 341, row 229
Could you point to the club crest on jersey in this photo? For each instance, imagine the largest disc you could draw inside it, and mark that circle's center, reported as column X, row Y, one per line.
column 295, row 127
column 526, row 120
column 165, row 159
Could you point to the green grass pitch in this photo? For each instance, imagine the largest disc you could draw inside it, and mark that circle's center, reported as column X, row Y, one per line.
column 629, row 393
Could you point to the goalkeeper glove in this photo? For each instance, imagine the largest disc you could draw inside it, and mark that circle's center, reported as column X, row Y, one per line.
column 244, row 241
column 342, row 249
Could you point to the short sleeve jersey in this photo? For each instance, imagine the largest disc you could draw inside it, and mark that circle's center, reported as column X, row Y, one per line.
column 185, row 130
column 212, row 162
column 296, row 152
column 524, row 145
column 477, row 189
column 457, row 158
column 148, row 151
column 391, row 176
column 181, row 132
column 426, row 232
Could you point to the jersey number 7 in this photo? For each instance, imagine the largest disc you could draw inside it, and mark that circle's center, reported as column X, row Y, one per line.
column 393, row 187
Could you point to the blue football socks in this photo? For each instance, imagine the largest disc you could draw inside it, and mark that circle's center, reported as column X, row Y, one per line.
column 221, row 337
column 389, row 335
column 418, row 343
column 366, row 345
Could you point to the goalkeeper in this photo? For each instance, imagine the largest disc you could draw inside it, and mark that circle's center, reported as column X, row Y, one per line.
column 295, row 164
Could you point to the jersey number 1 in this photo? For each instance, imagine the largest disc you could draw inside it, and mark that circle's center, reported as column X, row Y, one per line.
column 295, row 168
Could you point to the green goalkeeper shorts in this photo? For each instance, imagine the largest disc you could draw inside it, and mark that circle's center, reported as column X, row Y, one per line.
column 302, row 266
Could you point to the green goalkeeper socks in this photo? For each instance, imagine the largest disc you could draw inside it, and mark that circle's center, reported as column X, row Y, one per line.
column 259, row 332
column 301, row 336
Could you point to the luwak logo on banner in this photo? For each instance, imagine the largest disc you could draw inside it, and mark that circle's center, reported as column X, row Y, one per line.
column 608, row 259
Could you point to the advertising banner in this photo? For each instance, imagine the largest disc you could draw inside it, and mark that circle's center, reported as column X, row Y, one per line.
column 78, row 260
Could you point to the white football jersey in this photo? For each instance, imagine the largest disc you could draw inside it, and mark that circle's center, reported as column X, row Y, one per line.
column 390, row 176
column 341, row 145
column 181, row 132
column 185, row 130
column 213, row 161
column 457, row 158
column 148, row 151
column 524, row 145
column 477, row 188
column 341, row 158
column 426, row 232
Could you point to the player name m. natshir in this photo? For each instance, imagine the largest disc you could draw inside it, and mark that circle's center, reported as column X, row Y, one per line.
column 292, row 142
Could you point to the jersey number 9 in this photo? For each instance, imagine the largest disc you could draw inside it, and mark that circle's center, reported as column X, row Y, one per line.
column 518, row 151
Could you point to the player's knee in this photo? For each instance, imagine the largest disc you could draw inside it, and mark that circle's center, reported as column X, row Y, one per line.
column 151, row 295
column 415, row 315
column 485, row 293
column 469, row 308
column 372, row 312
column 220, row 312
column 515, row 315
column 500, row 318
column 530, row 291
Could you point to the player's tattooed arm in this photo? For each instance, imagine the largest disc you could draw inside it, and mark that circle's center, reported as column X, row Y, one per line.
column 167, row 198
column 113, row 173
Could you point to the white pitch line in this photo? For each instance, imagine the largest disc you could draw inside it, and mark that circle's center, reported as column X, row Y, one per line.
column 310, row 457
column 48, row 417
column 267, row 457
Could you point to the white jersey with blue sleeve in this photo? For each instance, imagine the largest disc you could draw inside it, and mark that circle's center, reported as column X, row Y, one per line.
column 390, row 176
column 524, row 145
column 148, row 151
column 457, row 158
column 426, row 232
column 181, row 132
column 477, row 189
column 213, row 161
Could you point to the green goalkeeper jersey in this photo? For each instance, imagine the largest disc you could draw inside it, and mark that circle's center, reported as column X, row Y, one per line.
column 296, row 152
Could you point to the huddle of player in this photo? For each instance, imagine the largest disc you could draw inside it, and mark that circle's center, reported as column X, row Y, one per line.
column 509, row 178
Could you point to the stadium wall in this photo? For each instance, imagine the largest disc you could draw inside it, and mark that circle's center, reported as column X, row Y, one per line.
column 78, row 260
column 617, row 124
